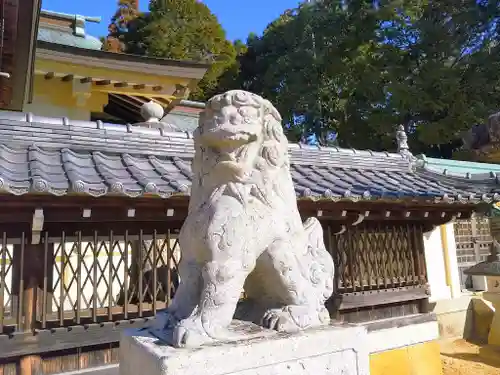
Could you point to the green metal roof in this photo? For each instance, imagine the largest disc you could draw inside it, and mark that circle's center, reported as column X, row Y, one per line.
column 67, row 39
column 459, row 168
column 183, row 121
column 74, row 36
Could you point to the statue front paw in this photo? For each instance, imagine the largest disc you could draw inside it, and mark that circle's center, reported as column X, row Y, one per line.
column 279, row 320
column 294, row 318
column 189, row 333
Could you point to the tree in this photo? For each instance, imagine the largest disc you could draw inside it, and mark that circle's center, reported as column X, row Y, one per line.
column 183, row 30
column 360, row 68
column 128, row 11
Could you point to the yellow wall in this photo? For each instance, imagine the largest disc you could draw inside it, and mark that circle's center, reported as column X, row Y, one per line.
column 421, row 359
column 73, row 99
column 56, row 98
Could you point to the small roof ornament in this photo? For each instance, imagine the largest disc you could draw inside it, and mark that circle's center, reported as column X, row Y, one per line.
column 152, row 112
column 153, row 115
column 402, row 140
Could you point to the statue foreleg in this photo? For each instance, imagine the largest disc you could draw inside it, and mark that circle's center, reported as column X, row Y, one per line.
column 222, row 286
column 307, row 281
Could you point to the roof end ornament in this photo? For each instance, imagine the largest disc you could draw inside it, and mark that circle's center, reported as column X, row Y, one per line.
column 402, row 140
column 153, row 115
column 152, row 112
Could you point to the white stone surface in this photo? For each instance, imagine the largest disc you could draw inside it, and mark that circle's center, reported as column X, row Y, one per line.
column 244, row 231
column 394, row 338
column 434, row 261
column 332, row 350
column 152, row 112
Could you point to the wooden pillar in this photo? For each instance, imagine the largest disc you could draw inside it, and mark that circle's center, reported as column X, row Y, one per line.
column 31, row 278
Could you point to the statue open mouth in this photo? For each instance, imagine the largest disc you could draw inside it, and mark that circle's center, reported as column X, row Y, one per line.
column 224, row 139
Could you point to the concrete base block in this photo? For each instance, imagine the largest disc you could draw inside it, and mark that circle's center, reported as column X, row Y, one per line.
column 332, row 350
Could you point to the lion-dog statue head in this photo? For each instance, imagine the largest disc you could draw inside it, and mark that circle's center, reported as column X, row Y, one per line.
column 240, row 145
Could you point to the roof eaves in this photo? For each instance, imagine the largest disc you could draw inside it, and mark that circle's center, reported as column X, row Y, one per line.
column 69, row 130
column 109, row 59
column 69, row 17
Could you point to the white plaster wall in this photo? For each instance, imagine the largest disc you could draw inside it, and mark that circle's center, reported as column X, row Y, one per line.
column 102, row 263
column 42, row 107
column 435, row 264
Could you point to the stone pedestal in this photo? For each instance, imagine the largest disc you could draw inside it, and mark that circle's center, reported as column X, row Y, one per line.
column 331, row 350
column 492, row 295
column 494, row 334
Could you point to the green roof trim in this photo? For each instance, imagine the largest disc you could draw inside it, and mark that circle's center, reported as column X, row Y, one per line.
column 74, row 36
column 67, row 16
column 459, row 168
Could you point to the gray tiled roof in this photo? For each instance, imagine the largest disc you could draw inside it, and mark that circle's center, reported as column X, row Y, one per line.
column 59, row 156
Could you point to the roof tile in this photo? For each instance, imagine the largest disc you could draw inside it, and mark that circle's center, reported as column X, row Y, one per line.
column 61, row 156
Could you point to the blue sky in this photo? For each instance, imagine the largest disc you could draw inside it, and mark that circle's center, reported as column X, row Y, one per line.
column 238, row 17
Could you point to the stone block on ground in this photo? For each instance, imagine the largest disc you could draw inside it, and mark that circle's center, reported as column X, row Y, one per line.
column 332, row 350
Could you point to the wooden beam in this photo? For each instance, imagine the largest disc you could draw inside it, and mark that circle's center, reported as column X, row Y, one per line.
column 103, row 82
column 31, row 278
column 45, row 341
column 353, row 217
column 89, row 228
column 79, row 201
column 379, row 205
column 139, row 87
column 86, row 80
column 67, row 78
column 110, row 215
column 351, row 301
column 121, row 84
column 49, row 75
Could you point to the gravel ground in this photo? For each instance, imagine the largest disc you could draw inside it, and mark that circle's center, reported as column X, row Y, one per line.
column 460, row 357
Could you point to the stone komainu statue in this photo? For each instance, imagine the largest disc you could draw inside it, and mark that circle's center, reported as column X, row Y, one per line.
column 244, row 231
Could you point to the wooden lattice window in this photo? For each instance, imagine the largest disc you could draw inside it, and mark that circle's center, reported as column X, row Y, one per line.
column 473, row 240
column 374, row 257
column 89, row 279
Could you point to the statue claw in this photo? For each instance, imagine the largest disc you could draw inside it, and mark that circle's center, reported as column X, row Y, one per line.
column 294, row 318
column 189, row 333
column 279, row 320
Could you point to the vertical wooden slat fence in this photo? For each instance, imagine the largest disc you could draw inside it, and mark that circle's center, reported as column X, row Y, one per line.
column 378, row 265
column 78, row 289
column 376, row 257
column 85, row 278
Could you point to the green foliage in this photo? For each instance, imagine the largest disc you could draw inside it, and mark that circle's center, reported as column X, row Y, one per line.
column 183, row 30
column 127, row 11
column 363, row 67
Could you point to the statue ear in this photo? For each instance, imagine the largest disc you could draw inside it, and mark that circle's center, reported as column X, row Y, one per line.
column 274, row 149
